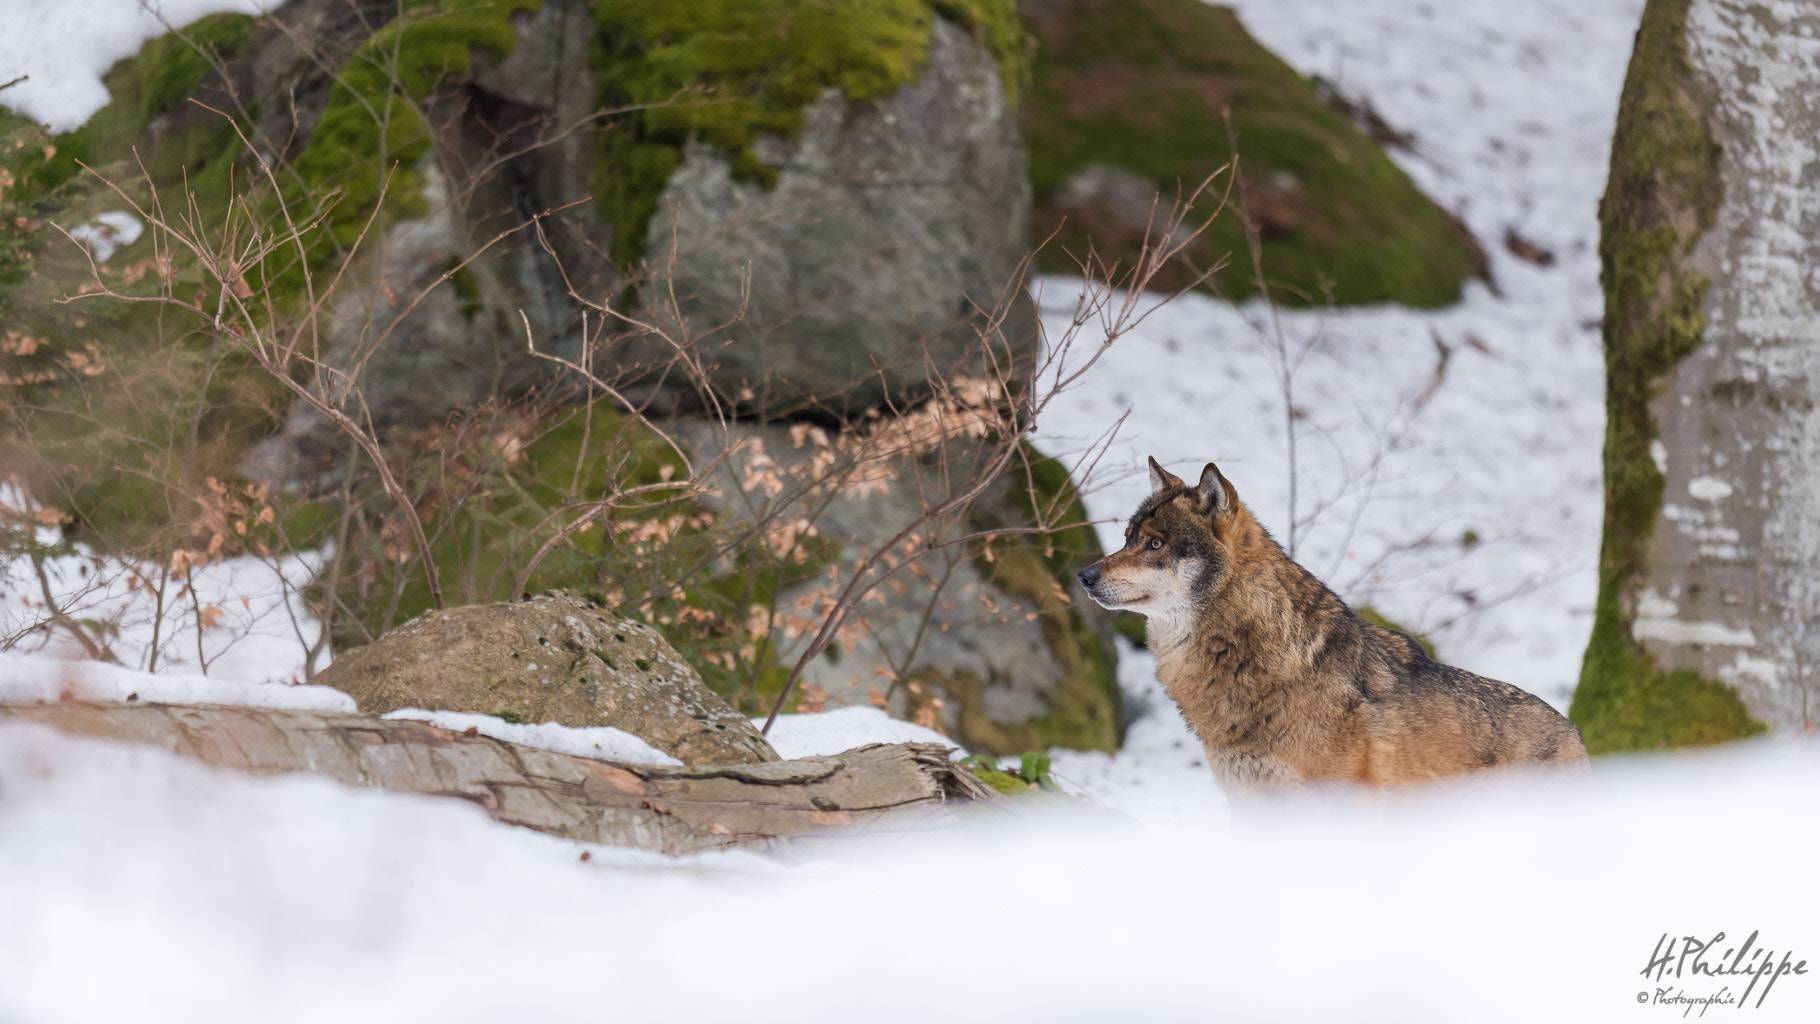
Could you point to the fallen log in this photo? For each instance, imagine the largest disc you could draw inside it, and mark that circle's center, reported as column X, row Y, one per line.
column 668, row 809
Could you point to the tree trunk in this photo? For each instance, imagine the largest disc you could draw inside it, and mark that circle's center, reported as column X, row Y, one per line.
column 673, row 810
column 1709, row 595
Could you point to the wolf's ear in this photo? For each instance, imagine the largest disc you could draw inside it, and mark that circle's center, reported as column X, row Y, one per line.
column 1215, row 493
column 1161, row 479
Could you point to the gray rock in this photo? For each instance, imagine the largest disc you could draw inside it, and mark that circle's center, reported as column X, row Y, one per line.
column 511, row 145
column 554, row 658
column 445, row 354
column 1014, row 668
column 891, row 224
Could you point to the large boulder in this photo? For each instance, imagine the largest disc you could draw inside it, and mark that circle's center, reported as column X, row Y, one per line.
column 997, row 646
column 1708, row 597
column 892, row 230
column 862, row 163
column 553, row 658
column 875, row 228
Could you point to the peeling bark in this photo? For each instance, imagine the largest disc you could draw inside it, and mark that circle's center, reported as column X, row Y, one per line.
column 672, row 810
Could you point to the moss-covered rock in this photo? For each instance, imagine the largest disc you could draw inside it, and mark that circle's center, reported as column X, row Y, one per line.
column 504, row 485
column 837, row 253
column 554, row 658
column 1127, row 101
column 1083, row 710
column 756, row 66
column 1660, row 201
column 373, row 131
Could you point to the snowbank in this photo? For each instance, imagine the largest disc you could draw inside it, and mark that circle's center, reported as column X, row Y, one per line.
column 139, row 887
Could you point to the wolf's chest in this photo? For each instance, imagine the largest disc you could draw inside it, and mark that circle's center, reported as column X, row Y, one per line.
column 1237, row 731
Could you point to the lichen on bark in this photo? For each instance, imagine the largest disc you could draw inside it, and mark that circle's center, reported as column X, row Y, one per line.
column 1661, row 198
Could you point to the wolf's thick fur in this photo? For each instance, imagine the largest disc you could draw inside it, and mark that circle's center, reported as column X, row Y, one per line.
column 1283, row 684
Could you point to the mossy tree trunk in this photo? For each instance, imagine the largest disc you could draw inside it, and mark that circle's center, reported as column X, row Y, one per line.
column 1708, row 589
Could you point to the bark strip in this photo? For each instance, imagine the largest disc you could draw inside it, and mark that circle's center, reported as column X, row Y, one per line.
column 672, row 810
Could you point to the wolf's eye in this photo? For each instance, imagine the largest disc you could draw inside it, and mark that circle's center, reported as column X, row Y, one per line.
column 1156, row 543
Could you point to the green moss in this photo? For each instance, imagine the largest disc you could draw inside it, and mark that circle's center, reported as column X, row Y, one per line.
column 467, row 288
column 495, row 496
column 372, row 132
column 1664, row 164
column 1141, row 85
column 1376, row 618
column 1005, row 783
column 727, row 71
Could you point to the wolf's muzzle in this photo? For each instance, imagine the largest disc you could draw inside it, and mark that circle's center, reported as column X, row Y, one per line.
column 1089, row 577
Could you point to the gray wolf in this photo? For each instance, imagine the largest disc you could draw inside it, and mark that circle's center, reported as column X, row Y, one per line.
column 1284, row 685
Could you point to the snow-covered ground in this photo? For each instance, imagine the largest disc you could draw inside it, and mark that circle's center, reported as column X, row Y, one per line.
column 138, row 886
column 240, row 618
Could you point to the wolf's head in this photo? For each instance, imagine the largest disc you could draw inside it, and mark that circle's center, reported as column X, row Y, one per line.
column 1179, row 548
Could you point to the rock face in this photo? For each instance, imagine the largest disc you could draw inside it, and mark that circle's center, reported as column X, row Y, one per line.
column 891, row 224
column 1003, row 652
column 430, row 305
column 1709, row 593
column 552, row 658
column 887, row 226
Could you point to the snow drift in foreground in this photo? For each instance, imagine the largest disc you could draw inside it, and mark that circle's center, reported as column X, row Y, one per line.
column 137, row 886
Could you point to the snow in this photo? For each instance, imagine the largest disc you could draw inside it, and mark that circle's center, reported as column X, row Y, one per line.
column 65, row 46
column 241, row 618
column 139, row 887
column 110, row 230
column 832, row 732
column 601, row 741
column 30, row 679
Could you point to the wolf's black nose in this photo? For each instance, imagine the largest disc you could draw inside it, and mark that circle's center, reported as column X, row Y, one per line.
column 1089, row 576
